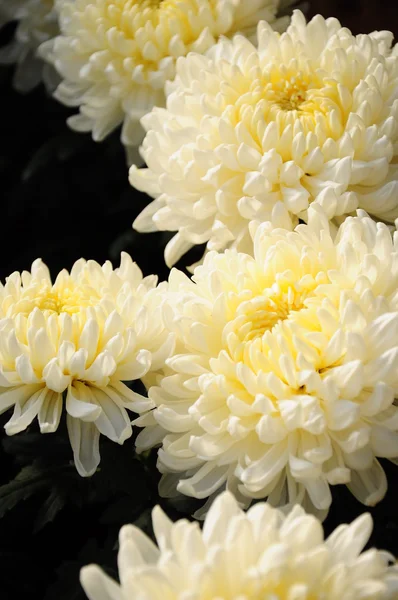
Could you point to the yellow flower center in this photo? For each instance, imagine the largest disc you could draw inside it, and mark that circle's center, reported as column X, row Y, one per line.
column 260, row 320
column 288, row 94
column 263, row 312
column 68, row 298
column 258, row 589
column 291, row 93
column 69, row 301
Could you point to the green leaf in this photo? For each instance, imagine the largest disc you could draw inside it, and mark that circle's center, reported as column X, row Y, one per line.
column 30, row 480
column 49, row 510
column 26, row 483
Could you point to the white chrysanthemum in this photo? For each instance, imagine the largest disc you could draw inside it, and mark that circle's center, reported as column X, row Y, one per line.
column 38, row 22
column 259, row 555
column 286, row 371
column 116, row 55
column 77, row 340
column 260, row 134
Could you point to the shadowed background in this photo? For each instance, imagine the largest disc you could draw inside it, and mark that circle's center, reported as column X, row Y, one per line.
column 64, row 197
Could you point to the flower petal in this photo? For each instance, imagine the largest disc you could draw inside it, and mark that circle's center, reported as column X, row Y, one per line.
column 84, row 439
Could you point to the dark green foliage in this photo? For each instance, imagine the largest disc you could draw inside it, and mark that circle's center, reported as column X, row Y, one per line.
column 29, row 481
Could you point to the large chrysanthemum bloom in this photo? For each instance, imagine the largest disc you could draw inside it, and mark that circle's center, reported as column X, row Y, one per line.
column 259, row 555
column 286, row 369
column 115, row 56
column 37, row 23
column 311, row 115
column 75, row 342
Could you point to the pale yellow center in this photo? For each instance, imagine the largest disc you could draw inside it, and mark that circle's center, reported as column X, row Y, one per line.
column 264, row 312
column 69, row 298
column 258, row 589
column 130, row 15
column 288, row 94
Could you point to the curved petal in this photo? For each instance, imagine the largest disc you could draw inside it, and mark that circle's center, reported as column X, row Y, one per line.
column 136, row 368
column 9, row 397
column 25, row 411
column 99, row 586
column 369, row 486
column 80, row 403
column 50, row 412
column 84, row 439
column 113, row 420
column 135, row 548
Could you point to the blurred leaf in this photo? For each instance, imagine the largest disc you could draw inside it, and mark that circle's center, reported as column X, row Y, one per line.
column 58, row 148
column 121, row 244
column 41, row 158
column 49, row 510
column 29, row 480
column 70, row 144
column 144, row 522
column 47, row 465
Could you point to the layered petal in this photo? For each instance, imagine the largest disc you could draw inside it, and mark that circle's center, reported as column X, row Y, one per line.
column 116, row 57
column 73, row 343
column 260, row 132
column 286, row 377
column 263, row 553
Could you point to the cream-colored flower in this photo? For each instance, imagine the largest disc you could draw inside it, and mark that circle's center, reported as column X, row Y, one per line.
column 116, row 55
column 76, row 341
column 260, row 134
column 286, row 368
column 37, row 23
column 259, row 555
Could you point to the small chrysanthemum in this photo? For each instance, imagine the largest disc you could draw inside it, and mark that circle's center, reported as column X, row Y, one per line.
column 311, row 115
column 259, row 555
column 116, row 55
column 37, row 23
column 286, row 369
column 76, row 341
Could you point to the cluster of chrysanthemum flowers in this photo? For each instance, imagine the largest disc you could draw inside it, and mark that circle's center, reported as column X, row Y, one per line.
column 271, row 372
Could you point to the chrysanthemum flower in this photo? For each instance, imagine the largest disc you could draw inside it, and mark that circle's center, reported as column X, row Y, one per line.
column 286, row 372
column 116, row 55
column 37, row 23
column 311, row 115
column 76, row 341
column 262, row 554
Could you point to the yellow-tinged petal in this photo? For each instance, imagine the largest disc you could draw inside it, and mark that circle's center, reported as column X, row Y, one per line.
column 77, row 340
column 291, row 122
column 115, row 58
column 287, row 368
column 262, row 554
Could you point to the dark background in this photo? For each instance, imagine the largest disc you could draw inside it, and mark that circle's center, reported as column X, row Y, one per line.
column 64, row 197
